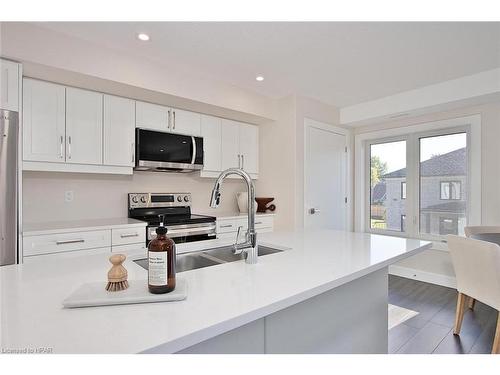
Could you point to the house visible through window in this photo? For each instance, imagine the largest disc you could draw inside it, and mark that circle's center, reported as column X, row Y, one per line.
column 438, row 175
column 450, row 189
column 387, row 176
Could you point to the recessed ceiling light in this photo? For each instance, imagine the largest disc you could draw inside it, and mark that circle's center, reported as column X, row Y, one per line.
column 143, row 37
column 259, row 78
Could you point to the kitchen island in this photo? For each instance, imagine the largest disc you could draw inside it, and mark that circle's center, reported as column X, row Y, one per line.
column 325, row 293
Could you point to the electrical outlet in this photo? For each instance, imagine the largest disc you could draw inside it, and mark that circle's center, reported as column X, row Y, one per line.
column 68, row 196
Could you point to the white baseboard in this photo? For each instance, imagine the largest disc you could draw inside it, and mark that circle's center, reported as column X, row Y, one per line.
column 428, row 277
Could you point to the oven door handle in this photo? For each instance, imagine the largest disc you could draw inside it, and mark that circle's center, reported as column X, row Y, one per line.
column 193, row 159
column 186, row 231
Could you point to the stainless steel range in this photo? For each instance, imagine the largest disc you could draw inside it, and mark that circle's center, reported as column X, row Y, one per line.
column 175, row 211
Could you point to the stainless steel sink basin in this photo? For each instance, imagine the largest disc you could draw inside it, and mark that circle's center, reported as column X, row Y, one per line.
column 207, row 258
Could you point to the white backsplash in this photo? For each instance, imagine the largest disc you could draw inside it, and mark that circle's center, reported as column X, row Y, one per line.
column 97, row 196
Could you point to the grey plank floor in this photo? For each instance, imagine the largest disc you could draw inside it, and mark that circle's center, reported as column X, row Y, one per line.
column 431, row 330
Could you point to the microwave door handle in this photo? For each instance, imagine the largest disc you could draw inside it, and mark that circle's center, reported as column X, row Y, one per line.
column 194, row 150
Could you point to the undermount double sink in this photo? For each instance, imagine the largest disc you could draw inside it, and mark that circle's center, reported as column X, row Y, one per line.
column 208, row 258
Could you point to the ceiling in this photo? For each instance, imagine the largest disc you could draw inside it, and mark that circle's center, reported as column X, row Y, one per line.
column 337, row 63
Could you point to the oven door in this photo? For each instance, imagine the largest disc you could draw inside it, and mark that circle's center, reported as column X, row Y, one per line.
column 162, row 151
column 186, row 232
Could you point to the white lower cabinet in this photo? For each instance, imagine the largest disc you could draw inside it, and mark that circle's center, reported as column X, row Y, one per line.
column 64, row 242
column 126, row 239
column 227, row 228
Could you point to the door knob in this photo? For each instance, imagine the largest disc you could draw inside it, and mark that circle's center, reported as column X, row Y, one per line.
column 314, row 210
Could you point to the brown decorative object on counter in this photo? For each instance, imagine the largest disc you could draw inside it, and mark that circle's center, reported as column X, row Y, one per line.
column 262, row 204
column 117, row 275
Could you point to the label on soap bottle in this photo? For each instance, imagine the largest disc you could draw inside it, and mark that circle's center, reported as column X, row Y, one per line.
column 158, row 268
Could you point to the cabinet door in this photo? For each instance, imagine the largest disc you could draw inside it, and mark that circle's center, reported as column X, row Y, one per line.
column 83, row 126
column 9, row 85
column 43, row 121
column 249, row 147
column 152, row 116
column 119, row 131
column 185, row 122
column 229, row 144
column 211, row 133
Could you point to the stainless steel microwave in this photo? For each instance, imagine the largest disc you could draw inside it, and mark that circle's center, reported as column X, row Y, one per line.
column 167, row 152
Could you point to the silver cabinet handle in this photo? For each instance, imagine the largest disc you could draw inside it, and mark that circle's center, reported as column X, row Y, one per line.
column 69, row 147
column 239, row 161
column 258, row 222
column 193, row 159
column 227, row 226
column 133, row 153
column 61, row 139
column 174, row 119
column 242, row 161
column 129, row 235
column 169, row 121
column 69, row 241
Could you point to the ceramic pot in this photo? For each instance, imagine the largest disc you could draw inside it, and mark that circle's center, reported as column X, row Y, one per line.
column 242, row 199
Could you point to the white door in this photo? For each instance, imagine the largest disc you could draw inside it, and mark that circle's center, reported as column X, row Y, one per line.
column 152, row 116
column 119, row 131
column 83, row 126
column 9, row 85
column 249, row 147
column 325, row 178
column 43, row 121
column 230, row 151
column 185, row 122
column 211, row 133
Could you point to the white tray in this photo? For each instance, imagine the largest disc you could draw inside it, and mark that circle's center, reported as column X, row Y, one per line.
column 95, row 294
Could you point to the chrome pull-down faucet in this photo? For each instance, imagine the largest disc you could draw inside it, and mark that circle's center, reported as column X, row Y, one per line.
column 249, row 247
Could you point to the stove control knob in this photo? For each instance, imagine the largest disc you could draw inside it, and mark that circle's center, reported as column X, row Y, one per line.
column 143, row 199
column 186, row 198
column 134, row 199
column 179, row 199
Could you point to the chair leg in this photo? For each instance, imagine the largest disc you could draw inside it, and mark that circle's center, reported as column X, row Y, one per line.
column 472, row 303
column 496, row 342
column 459, row 315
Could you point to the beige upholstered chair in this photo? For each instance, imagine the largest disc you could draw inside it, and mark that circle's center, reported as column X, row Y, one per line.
column 477, row 269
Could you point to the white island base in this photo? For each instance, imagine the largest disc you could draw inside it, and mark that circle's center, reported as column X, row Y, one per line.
column 349, row 319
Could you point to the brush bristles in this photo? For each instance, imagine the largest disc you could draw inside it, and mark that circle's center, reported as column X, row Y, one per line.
column 117, row 286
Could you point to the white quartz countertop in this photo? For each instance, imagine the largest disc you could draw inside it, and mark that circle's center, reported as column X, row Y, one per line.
column 51, row 227
column 220, row 298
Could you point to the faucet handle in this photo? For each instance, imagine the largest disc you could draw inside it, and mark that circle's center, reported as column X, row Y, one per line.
column 238, row 234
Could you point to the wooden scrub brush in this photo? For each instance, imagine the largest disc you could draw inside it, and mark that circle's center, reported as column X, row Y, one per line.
column 117, row 275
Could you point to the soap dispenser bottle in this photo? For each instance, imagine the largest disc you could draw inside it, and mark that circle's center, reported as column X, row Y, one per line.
column 161, row 262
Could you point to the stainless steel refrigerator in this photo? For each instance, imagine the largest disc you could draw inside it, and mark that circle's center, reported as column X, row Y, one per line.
column 9, row 133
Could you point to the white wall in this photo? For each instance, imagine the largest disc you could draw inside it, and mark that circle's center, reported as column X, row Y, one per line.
column 105, row 196
column 435, row 261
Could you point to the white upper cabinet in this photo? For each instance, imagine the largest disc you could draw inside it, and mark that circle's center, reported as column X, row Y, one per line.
column 83, row 126
column 9, row 85
column 230, row 152
column 152, row 116
column 249, row 148
column 119, row 131
column 211, row 133
column 185, row 122
column 43, row 121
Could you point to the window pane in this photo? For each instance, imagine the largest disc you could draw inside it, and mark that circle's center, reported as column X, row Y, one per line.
column 387, row 174
column 443, row 178
column 403, row 190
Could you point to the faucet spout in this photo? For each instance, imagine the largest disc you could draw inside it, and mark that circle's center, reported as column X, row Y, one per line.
column 249, row 247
